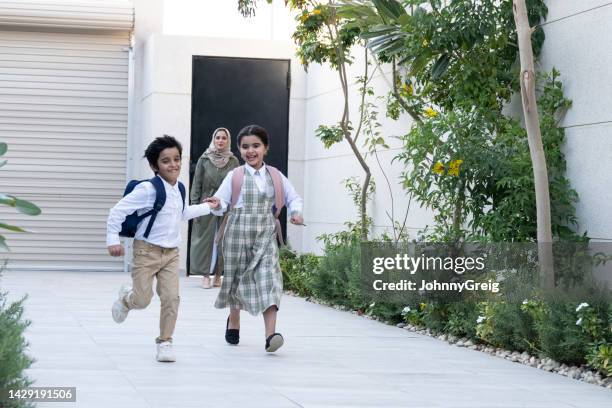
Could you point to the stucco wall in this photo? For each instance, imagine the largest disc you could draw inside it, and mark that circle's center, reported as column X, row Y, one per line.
column 578, row 45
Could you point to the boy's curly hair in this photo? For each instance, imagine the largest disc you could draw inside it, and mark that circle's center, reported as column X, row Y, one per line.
column 160, row 143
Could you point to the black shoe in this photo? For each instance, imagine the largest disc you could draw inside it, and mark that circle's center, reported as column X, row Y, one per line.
column 232, row 336
column 274, row 342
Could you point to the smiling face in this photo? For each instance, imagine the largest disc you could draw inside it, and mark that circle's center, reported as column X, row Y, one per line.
column 221, row 139
column 253, row 150
column 169, row 165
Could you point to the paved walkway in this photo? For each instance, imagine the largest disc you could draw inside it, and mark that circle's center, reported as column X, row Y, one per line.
column 330, row 358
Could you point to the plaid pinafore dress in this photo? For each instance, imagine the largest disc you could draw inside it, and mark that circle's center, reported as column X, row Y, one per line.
column 252, row 277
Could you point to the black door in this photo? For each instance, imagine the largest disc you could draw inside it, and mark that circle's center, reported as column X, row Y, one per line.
column 235, row 92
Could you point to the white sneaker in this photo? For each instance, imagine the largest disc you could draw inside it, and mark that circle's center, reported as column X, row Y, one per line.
column 165, row 352
column 119, row 309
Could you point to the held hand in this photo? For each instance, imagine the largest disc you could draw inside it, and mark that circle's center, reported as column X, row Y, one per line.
column 297, row 220
column 214, row 202
column 115, row 250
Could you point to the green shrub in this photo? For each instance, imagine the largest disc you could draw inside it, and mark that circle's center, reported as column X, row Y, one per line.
column 298, row 271
column 435, row 316
column 414, row 315
column 389, row 312
column 505, row 325
column 337, row 278
column 558, row 335
column 13, row 359
column 596, row 322
column 462, row 320
column 600, row 357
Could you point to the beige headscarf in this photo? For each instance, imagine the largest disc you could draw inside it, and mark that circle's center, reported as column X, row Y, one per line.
column 219, row 157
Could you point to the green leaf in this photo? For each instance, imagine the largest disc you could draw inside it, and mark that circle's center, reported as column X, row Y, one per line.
column 404, row 20
column 3, row 244
column 26, row 207
column 419, row 62
column 389, row 9
column 351, row 10
column 391, row 48
column 384, row 40
column 11, row 228
column 3, row 148
column 378, row 30
column 7, row 200
column 440, row 67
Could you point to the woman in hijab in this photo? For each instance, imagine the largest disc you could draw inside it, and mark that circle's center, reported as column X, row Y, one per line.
column 212, row 167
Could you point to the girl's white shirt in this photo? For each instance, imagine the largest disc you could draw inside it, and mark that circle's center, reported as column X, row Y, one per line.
column 293, row 201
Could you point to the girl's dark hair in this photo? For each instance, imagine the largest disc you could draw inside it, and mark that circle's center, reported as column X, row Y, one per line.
column 159, row 144
column 254, row 130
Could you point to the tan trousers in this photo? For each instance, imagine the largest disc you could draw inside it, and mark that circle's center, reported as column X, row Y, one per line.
column 151, row 261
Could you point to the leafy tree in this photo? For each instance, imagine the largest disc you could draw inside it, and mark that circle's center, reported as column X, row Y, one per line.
column 455, row 70
column 247, row 7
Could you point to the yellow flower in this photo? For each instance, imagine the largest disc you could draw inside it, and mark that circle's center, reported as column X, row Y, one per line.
column 304, row 17
column 430, row 113
column 316, row 12
column 453, row 167
column 425, row 43
column 438, row 168
column 408, row 88
column 422, row 306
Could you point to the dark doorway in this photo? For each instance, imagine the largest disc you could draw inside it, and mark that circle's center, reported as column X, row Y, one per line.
column 235, row 92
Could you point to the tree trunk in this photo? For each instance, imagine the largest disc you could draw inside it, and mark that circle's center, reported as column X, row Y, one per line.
column 536, row 149
column 345, row 125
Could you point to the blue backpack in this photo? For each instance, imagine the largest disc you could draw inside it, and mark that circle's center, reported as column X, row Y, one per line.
column 130, row 225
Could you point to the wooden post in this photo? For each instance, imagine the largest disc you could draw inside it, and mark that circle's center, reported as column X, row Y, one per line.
column 536, row 148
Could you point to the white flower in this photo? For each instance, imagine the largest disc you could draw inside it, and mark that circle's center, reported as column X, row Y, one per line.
column 372, row 304
column 525, row 301
column 579, row 322
column 581, row 306
column 406, row 310
column 480, row 319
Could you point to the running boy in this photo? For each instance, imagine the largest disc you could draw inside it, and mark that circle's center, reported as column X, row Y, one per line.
column 156, row 256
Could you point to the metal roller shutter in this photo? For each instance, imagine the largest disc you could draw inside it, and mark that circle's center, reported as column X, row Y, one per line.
column 63, row 113
column 68, row 14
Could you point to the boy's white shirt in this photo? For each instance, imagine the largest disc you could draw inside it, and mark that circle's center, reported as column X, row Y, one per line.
column 166, row 231
column 293, row 201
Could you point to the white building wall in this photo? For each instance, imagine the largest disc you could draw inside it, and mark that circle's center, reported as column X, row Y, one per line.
column 578, row 43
